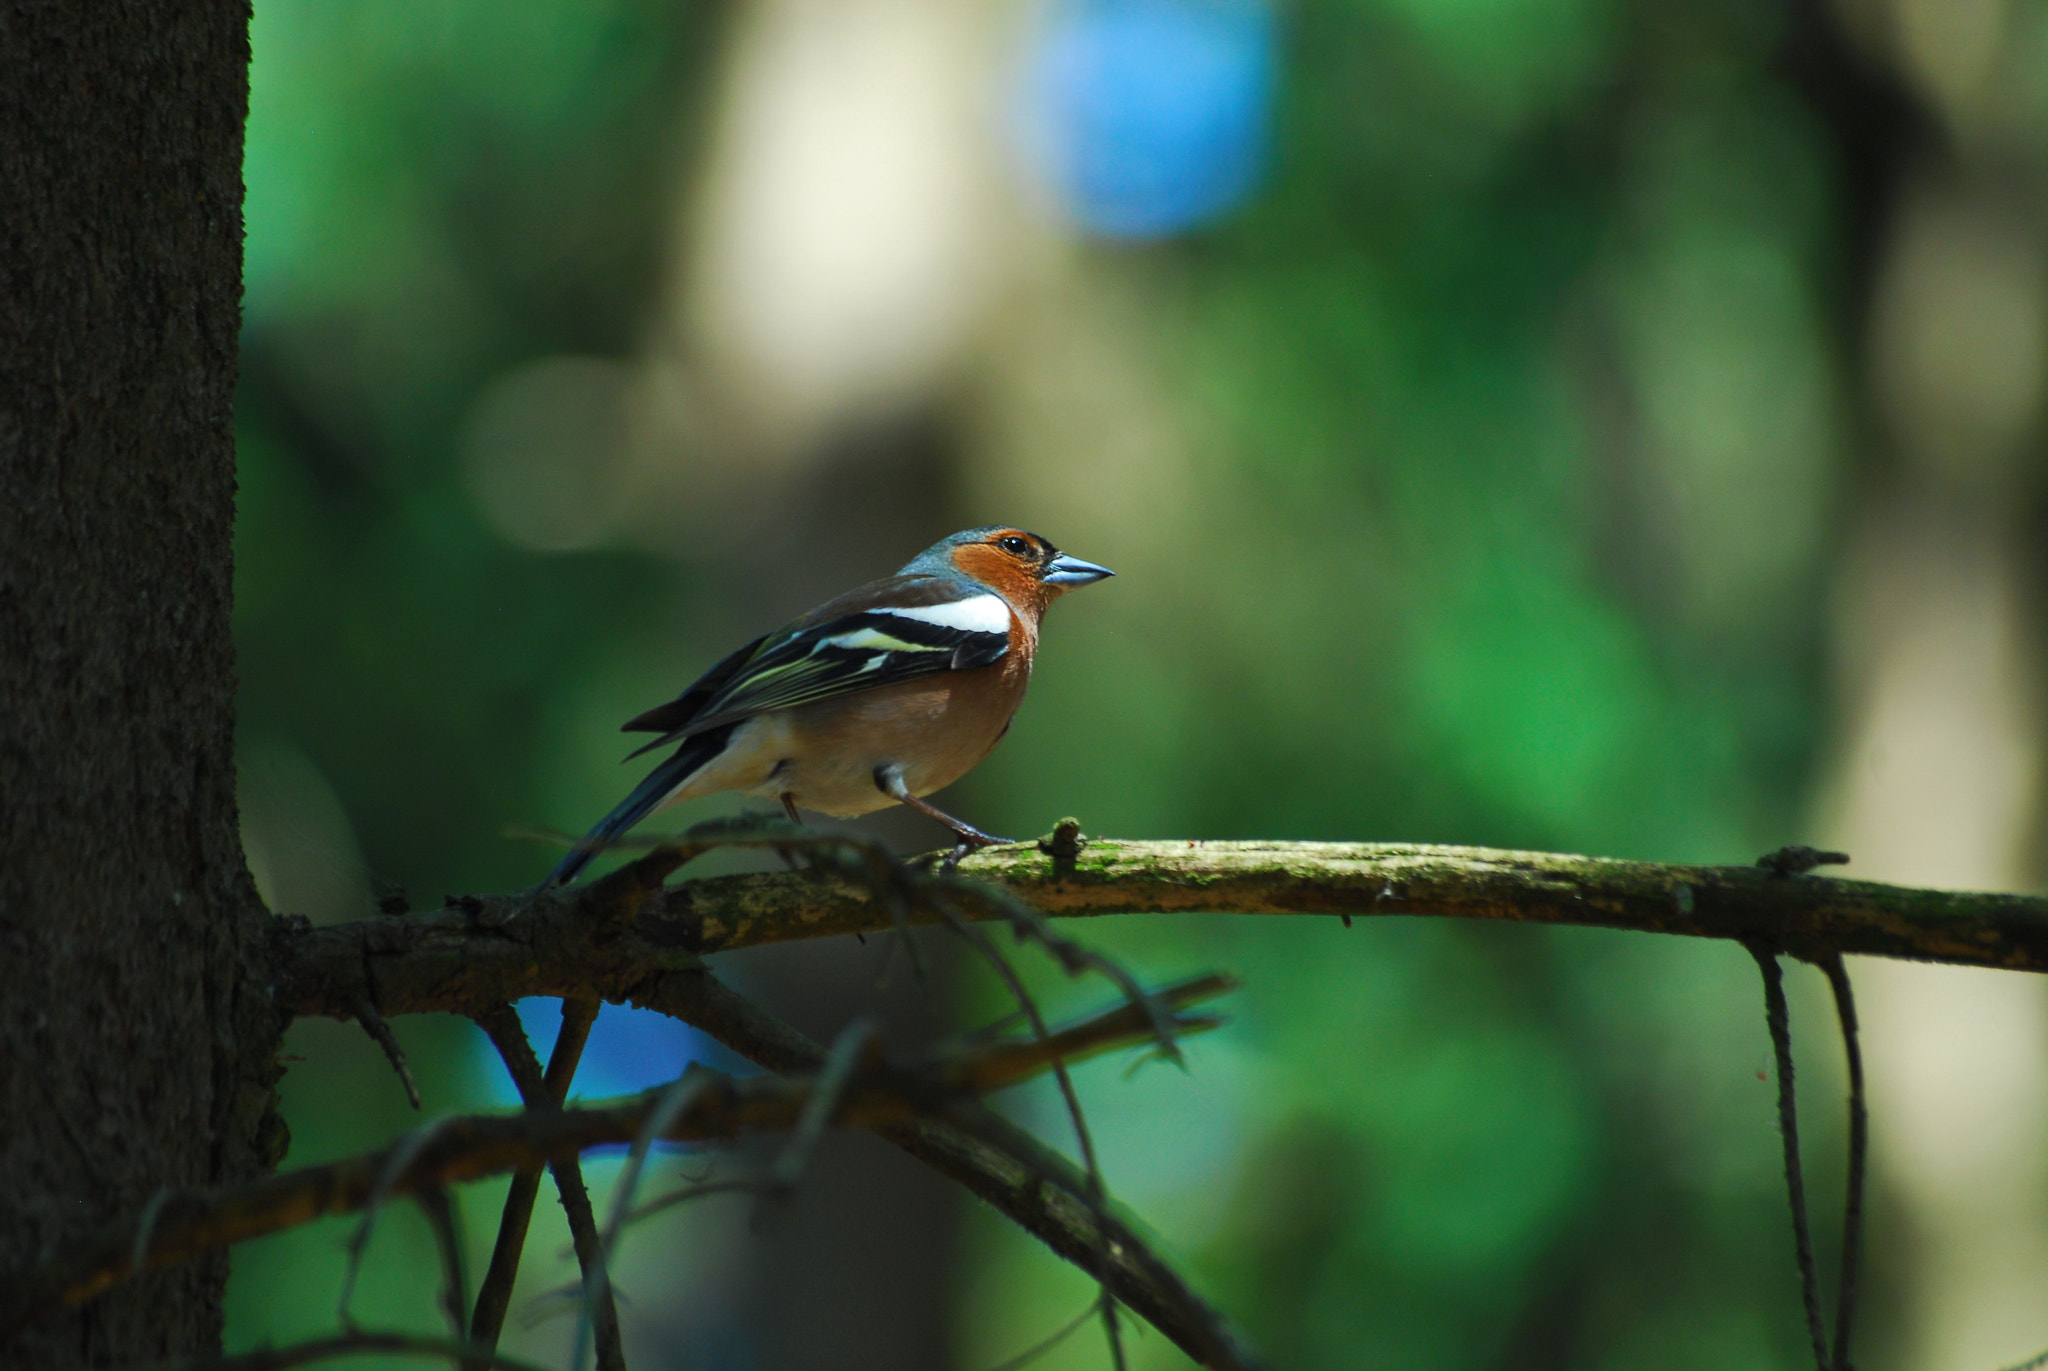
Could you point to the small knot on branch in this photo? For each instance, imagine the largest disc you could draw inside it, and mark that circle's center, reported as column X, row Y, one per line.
column 1797, row 860
column 379, row 1029
column 1065, row 841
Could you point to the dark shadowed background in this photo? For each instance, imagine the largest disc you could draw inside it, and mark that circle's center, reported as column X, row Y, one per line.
column 1606, row 425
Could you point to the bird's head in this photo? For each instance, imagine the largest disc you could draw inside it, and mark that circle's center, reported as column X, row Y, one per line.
column 1021, row 566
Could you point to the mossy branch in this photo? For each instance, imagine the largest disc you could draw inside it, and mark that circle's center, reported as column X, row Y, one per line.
column 632, row 938
column 623, row 938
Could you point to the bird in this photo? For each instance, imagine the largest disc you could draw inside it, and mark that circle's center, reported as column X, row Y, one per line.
column 878, row 697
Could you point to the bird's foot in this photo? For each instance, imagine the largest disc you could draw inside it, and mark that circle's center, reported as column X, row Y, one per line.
column 972, row 840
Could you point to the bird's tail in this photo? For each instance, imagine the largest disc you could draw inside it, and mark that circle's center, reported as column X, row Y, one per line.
column 645, row 799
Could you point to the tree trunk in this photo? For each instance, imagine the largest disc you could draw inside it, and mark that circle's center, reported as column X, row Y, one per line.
column 136, row 1041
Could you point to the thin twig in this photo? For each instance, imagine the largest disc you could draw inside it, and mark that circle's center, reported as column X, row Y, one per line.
column 1004, row 1166
column 737, row 1185
column 1028, row 925
column 398, row 1160
column 2031, row 1364
column 1859, row 1148
column 437, row 1202
column 1778, row 1019
column 494, row 1296
column 840, row 1062
column 358, row 1343
column 597, row 1280
column 883, row 1095
column 1097, row 1195
column 885, row 877
column 542, row 1090
column 1048, row 1343
column 904, row 886
column 381, row 1033
column 579, row 1015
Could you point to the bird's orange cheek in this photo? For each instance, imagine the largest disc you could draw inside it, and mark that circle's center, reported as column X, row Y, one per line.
column 1002, row 573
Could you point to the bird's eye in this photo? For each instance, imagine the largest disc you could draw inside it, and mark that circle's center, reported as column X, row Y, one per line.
column 1015, row 546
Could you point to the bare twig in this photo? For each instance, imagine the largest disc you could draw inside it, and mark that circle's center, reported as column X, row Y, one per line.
column 833, row 1076
column 502, row 1025
column 1859, row 1148
column 1028, row 925
column 438, row 1204
column 880, row 1095
column 546, row 1091
column 494, row 1296
column 1051, row 1340
column 698, row 1190
column 380, row 1031
column 579, row 1013
column 1097, row 1195
column 385, row 1186
column 358, row 1343
column 903, row 887
column 1001, row 1164
column 669, row 1105
column 1778, row 1019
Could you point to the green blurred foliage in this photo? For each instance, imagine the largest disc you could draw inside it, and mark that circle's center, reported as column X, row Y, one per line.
column 1511, row 419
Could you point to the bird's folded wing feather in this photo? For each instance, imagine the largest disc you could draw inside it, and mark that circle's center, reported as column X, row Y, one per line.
column 895, row 630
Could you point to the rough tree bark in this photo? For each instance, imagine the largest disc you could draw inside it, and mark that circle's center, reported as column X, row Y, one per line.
column 133, row 1055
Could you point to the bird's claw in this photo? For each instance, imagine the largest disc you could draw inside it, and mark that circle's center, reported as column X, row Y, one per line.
column 972, row 840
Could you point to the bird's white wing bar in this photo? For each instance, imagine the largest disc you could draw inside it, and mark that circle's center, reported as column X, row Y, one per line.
column 981, row 614
column 978, row 614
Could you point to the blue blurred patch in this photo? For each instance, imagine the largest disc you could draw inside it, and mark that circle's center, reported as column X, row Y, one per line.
column 1148, row 117
column 629, row 1049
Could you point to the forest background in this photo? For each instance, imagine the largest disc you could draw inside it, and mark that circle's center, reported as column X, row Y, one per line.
column 1590, row 425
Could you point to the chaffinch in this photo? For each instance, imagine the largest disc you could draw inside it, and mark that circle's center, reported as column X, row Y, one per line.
column 879, row 697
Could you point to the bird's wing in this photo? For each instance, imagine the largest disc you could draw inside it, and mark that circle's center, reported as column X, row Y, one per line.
column 683, row 708
column 894, row 630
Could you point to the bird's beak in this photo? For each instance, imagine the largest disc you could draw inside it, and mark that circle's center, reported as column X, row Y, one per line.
column 1068, row 572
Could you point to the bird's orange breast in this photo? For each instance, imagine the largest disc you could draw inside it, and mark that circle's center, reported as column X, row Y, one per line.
column 935, row 729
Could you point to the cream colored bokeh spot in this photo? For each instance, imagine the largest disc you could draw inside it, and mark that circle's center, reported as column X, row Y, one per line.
column 1937, row 780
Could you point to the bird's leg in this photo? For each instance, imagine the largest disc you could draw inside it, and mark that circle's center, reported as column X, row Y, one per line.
column 889, row 780
column 789, row 807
